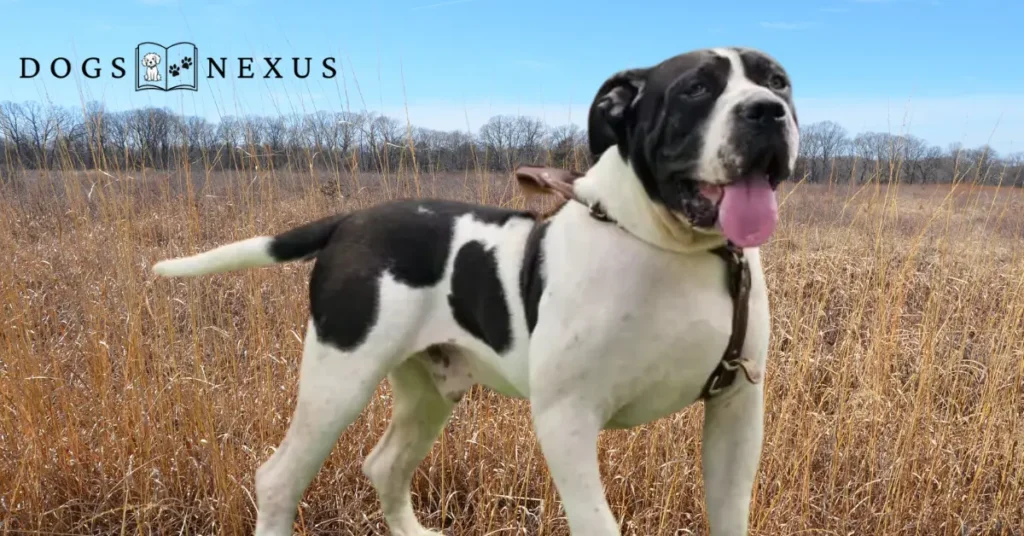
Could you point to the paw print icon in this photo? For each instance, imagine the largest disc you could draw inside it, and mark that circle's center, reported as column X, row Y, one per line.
column 186, row 63
column 174, row 70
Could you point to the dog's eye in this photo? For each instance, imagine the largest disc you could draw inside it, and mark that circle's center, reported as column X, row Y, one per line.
column 695, row 90
column 777, row 82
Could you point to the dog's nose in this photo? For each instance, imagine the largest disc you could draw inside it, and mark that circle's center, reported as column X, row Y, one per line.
column 763, row 112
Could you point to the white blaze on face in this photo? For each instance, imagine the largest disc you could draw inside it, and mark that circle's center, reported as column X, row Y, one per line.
column 718, row 154
column 748, row 209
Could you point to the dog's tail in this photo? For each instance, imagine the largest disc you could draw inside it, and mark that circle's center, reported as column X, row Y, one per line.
column 299, row 243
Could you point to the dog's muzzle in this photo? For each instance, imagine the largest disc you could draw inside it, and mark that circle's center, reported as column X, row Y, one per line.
column 747, row 210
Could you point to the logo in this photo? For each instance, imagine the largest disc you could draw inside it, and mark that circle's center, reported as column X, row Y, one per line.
column 166, row 68
column 178, row 67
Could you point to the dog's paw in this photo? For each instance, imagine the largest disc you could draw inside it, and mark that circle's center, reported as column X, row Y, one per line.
column 186, row 63
column 173, row 69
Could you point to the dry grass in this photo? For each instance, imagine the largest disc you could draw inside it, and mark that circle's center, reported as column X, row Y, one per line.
column 134, row 405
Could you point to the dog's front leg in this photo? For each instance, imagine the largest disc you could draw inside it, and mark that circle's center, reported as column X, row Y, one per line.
column 731, row 452
column 567, row 430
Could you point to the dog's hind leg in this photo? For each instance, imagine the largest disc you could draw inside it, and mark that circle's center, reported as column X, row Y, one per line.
column 334, row 387
column 419, row 414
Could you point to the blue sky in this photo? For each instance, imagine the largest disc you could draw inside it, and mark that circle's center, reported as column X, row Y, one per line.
column 945, row 70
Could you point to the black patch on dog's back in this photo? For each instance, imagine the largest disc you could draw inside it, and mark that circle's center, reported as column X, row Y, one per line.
column 305, row 240
column 477, row 299
column 410, row 239
column 531, row 276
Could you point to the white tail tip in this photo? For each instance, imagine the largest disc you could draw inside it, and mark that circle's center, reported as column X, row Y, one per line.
column 235, row 256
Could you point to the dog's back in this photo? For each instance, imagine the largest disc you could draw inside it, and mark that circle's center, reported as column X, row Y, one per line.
column 471, row 261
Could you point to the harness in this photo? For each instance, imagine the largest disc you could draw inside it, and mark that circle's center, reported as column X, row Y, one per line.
column 738, row 282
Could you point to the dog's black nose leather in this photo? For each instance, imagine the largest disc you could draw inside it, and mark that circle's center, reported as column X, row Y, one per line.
column 763, row 112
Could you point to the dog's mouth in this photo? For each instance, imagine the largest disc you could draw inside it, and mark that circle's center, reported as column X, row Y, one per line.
column 745, row 209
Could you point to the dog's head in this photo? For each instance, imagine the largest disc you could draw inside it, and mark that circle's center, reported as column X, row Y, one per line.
column 710, row 134
column 151, row 60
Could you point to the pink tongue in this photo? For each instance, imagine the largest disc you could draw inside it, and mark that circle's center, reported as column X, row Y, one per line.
column 748, row 212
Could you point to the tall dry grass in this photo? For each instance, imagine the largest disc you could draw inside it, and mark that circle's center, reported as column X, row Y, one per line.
column 134, row 405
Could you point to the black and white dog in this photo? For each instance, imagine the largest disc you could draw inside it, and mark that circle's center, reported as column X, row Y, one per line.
column 600, row 322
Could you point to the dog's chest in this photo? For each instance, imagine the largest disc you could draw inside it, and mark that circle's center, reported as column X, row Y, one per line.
column 646, row 326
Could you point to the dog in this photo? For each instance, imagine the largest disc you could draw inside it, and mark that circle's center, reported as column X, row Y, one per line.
column 610, row 312
column 150, row 61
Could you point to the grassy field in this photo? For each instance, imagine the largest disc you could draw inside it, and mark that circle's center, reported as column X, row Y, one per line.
column 139, row 406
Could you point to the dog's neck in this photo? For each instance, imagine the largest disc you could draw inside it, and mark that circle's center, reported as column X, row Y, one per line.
column 612, row 182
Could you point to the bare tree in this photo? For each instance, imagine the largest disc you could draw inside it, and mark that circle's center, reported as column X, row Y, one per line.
column 41, row 124
column 820, row 144
column 15, row 132
column 34, row 135
column 509, row 140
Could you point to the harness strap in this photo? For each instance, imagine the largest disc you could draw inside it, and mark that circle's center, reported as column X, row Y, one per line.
column 738, row 274
column 738, row 282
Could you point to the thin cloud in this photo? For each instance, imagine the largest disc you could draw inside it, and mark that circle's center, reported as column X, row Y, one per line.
column 442, row 4
column 882, row 2
column 788, row 26
column 534, row 64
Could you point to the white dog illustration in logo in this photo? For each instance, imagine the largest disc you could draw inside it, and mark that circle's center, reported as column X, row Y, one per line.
column 150, row 61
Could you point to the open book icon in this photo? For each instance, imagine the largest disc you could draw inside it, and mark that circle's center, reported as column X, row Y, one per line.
column 166, row 68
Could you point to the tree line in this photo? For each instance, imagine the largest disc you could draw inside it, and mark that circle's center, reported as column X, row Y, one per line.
column 37, row 136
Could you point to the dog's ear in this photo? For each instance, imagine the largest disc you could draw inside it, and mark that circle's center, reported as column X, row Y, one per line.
column 611, row 108
column 542, row 180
